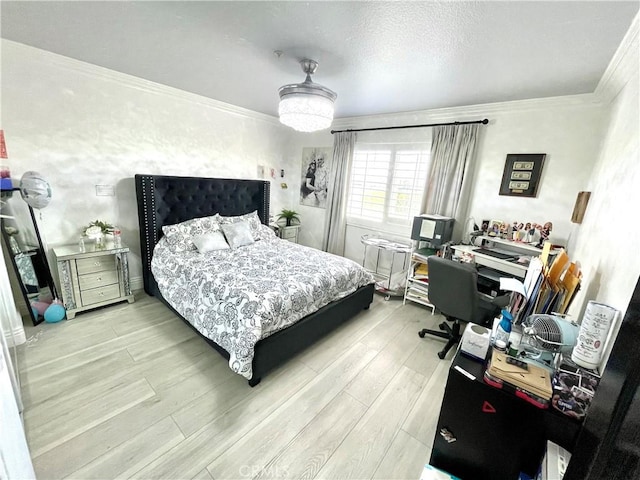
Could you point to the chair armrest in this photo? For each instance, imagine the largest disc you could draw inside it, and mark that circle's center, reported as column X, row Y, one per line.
column 501, row 301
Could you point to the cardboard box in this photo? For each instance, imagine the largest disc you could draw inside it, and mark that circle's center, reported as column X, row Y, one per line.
column 573, row 388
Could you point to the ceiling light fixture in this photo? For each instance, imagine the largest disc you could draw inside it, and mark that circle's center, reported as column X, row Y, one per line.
column 307, row 106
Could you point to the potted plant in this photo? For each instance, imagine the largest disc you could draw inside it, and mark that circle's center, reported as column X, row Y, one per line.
column 289, row 216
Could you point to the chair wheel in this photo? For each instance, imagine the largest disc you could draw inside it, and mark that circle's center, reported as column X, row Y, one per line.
column 421, row 333
column 441, row 355
column 443, row 326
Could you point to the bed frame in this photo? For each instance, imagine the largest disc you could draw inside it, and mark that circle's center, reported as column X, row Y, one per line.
column 166, row 200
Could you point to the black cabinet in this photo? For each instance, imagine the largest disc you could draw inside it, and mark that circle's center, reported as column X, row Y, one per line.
column 497, row 435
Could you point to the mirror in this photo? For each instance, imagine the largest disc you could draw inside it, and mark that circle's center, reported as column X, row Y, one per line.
column 21, row 239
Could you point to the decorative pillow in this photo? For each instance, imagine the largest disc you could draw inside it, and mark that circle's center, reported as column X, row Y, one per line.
column 179, row 236
column 265, row 233
column 209, row 242
column 251, row 218
column 238, row 234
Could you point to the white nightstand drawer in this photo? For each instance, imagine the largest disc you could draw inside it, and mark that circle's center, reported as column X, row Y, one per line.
column 99, row 279
column 290, row 233
column 93, row 277
column 97, row 295
column 95, row 264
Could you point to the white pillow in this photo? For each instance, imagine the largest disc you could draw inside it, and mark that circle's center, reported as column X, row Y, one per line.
column 209, row 242
column 238, row 234
column 265, row 233
column 179, row 235
column 251, row 218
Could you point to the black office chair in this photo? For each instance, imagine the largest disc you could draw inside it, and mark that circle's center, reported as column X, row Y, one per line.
column 453, row 290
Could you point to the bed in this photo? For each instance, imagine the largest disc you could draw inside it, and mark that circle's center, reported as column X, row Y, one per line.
column 169, row 200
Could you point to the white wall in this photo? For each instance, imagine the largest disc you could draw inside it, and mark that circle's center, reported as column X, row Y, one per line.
column 606, row 240
column 15, row 461
column 568, row 130
column 81, row 125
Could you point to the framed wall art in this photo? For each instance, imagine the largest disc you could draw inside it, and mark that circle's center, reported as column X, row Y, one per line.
column 316, row 164
column 522, row 173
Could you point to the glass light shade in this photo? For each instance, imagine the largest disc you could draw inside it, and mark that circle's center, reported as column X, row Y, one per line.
column 306, row 112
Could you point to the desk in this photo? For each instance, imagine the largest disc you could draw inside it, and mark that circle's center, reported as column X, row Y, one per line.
column 497, row 435
column 506, row 266
column 518, row 247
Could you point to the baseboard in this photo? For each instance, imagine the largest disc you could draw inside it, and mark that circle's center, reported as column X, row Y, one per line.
column 136, row 283
column 15, row 336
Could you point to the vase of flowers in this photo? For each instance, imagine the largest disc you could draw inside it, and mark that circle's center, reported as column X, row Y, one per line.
column 97, row 231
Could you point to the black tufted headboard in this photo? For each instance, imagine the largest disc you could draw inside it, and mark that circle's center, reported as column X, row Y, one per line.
column 164, row 200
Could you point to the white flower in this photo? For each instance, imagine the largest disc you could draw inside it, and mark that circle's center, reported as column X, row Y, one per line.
column 93, row 232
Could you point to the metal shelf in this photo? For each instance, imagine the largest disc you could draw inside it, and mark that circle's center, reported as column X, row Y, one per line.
column 383, row 280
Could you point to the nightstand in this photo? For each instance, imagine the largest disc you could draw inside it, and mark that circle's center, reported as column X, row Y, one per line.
column 290, row 233
column 94, row 277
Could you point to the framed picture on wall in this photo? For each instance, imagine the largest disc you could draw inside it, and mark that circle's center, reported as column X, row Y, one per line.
column 521, row 175
column 316, row 164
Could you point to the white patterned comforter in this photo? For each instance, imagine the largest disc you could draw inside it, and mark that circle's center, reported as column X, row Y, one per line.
column 236, row 297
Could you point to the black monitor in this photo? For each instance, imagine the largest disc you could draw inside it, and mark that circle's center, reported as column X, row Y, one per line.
column 435, row 229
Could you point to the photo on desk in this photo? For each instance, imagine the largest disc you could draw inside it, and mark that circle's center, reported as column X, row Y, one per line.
column 494, row 227
column 522, row 172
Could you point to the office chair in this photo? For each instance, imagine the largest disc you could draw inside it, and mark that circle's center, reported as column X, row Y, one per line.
column 453, row 290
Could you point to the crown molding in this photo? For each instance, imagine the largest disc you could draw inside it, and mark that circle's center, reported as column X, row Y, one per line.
column 462, row 113
column 470, row 112
column 623, row 66
column 31, row 53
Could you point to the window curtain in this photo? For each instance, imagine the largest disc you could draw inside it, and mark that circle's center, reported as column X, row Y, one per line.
column 336, row 213
column 453, row 150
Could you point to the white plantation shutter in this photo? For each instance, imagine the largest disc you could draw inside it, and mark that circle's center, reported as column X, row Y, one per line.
column 407, row 186
column 387, row 183
column 369, row 179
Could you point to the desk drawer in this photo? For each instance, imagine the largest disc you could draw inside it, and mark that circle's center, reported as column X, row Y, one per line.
column 101, row 294
column 99, row 279
column 501, row 265
column 96, row 264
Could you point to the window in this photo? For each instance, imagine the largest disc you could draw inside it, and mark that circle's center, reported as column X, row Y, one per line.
column 387, row 182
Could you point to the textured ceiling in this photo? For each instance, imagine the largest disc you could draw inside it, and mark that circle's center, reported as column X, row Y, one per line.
column 380, row 57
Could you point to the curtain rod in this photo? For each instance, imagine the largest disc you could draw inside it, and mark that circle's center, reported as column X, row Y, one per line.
column 484, row 122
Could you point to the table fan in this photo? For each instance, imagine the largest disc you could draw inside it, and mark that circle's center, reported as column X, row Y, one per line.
column 545, row 335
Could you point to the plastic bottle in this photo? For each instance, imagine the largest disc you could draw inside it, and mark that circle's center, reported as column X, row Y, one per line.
column 515, row 337
column 504, row 327
column 594, row 330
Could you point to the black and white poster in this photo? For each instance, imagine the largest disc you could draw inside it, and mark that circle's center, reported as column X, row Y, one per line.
column 316, row 164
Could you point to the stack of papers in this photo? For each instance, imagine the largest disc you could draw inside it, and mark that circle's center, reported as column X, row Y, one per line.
column 545, row 289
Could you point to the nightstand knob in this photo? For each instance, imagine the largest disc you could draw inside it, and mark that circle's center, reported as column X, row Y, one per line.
column 101, row 294
column 99, row 279
column 97, row 264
